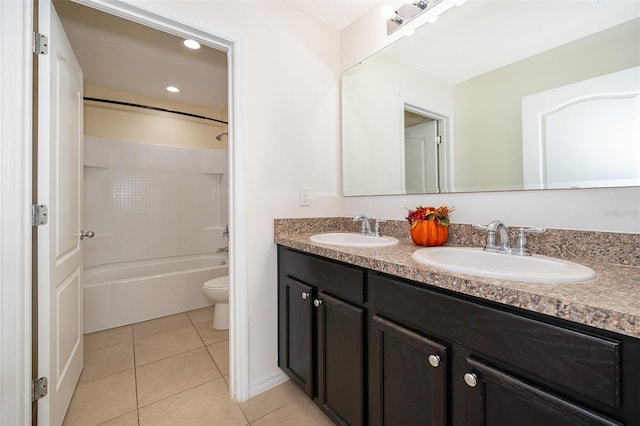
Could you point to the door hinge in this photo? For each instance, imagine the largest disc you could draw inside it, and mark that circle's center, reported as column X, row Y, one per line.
column 39, row 388
column 438, row 140
column 40, row 44
column 39, row 214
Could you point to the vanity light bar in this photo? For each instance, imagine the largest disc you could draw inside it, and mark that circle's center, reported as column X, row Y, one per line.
column 407, row 12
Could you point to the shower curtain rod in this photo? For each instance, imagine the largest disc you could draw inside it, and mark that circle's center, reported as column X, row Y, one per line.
column 107, row 101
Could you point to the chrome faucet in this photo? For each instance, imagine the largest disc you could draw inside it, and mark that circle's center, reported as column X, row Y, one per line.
column 505, row 244
column 365, row 228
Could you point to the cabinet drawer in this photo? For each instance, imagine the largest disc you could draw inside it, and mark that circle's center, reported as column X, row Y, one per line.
column 569, row 360
column 337, row 279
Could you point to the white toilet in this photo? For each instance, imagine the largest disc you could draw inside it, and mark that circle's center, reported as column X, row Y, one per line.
column 217, row 289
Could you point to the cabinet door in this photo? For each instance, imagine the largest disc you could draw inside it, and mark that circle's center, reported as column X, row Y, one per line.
column 340, row 359
column 296, row 333
column 494, row 398
column 408, row 377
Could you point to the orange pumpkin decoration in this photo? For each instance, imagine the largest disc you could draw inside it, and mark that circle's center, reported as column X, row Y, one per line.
column 429, row 233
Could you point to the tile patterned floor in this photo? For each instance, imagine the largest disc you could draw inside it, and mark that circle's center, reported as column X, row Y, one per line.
column 174, row 371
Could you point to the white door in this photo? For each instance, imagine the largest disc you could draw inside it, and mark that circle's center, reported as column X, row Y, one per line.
column 59, row 181
column 421, row 158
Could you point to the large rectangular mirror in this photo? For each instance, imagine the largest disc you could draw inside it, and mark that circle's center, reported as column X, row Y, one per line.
column 499, row 95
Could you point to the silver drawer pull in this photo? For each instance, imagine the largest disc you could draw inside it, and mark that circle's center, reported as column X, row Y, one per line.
column 434, row 360
column 471, row 379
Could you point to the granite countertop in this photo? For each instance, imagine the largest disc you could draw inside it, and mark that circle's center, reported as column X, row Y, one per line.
column 611, row 301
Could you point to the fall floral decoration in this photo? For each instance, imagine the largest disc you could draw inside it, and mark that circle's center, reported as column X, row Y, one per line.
column 429, row 225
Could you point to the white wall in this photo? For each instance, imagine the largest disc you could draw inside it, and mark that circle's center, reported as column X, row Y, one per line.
column 289, row 133
column 613, row 210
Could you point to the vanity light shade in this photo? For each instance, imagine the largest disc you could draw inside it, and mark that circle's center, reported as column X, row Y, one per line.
column 387, row 12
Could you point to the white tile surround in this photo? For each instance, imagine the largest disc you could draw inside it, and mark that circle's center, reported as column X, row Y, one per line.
column 150, row 201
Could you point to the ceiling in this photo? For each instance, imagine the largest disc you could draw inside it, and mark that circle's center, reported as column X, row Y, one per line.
column 118, row 54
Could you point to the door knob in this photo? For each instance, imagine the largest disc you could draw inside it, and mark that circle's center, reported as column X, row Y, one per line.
column 305, row 295
column 86, row 234
column 317, row 303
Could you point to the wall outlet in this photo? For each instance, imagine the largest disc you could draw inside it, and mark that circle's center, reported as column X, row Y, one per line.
column 304, row 197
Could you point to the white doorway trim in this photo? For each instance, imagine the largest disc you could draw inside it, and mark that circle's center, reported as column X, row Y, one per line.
column 238, row 297
column 16, row 27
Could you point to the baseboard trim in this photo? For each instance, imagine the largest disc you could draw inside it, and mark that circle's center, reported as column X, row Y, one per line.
column 266, row 383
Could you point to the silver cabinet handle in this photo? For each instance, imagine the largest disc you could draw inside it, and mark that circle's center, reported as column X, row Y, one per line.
column 317, row 303
column 471, row 379
column 86, row 234
column 434, row 360
column 305, row 295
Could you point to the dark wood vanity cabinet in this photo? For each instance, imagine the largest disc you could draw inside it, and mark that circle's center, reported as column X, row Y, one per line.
column 501, row 367
column 439, row 358
column 321, row 332
column 408, row 377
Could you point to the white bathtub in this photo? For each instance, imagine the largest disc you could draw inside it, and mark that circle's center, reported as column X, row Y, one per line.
column 123, row 293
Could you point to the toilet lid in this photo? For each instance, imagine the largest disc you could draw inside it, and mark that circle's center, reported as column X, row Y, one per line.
column 219, row 282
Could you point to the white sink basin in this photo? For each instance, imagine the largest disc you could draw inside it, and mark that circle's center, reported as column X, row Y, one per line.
column 475, row 261
column 349, row 239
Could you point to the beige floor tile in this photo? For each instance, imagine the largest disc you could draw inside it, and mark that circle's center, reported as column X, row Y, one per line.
column 107, row 361
column 106, row 338
column 201, row 315
column 160, row 325
column 301, row 411
column 129, row 419
column 160, row 379
column 207, row 404
column 271, row 400
column 163, row 345
column 103, row 399
column 220, row 353
column 209, row 334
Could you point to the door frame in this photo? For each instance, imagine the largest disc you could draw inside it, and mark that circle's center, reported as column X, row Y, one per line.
column 16, row 27
column 16, row 77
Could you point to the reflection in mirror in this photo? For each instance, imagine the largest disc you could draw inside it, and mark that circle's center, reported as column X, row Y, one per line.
column 516, row 102
column 422, row 141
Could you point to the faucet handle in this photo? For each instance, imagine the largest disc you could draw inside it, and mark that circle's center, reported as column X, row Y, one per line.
column 537, row 230
column 376, row 229
column 521, row 243
column 481, row 227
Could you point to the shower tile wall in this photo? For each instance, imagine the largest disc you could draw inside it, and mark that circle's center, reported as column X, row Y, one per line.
column 151, row 201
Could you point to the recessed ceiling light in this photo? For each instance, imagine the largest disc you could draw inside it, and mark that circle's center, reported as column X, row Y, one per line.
column 172, row 89
column 192, row 44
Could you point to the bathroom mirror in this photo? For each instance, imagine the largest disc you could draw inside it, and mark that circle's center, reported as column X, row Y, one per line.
column 507, row 96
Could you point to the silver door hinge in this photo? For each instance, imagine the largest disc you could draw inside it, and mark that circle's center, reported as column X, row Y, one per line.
column 39, row 215
column 438, row 140
column 39, row 388
column 40, row 44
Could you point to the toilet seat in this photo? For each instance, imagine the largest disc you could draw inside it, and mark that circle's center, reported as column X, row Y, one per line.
column 220, row 282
